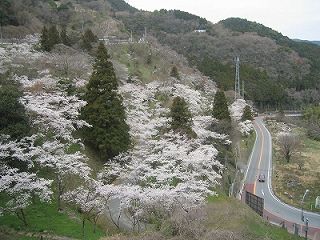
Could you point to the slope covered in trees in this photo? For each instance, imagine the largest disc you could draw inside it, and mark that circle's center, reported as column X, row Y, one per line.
column 267, row 57
column 303, row 48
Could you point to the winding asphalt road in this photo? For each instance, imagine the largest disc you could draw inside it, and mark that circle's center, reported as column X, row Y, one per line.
column 274, row 210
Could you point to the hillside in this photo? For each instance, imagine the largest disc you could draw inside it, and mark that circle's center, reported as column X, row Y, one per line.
column 267, row 57
column 64, row 172
column 277, row 71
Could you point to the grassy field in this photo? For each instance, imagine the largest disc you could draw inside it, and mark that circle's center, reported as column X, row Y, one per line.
column 45, row 219
column 290, row 180
column 237, row 217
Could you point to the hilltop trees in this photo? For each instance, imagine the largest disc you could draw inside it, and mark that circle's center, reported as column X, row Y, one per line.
column 87, row 39
column 49, row 37
column 109, row 133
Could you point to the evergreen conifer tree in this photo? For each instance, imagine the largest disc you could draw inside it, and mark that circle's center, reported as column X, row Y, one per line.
column 87, row 39
column 44, row 39
column 247, row 113
column 53, row 36
column 181, row 117
column 109, row 133
column 64, row 37
column 220, row 107
column 174, row 72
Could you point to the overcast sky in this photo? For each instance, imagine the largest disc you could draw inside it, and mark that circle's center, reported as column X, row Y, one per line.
column 293, row 18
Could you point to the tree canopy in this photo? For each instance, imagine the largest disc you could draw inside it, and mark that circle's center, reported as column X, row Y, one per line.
column 220, row 107
column 181, row 116
column 247, row 113
column 13, row 119
column 109, row 133
column 87, row 39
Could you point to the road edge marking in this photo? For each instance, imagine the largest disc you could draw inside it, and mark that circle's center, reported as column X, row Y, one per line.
column 249, row 164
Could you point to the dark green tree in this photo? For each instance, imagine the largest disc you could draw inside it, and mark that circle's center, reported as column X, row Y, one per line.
column 174, row 72
column 44, row 39
column 220, row 107
column 64, row 37
column 13, row 119
column 109, row 133
column 54, row 37
column 247, row 113
column 87, row 39
column 181, row 117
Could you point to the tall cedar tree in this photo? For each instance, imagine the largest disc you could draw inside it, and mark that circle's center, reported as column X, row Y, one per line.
column 64, row 37
column 54, row 36
column 247, row 113
column 181, row 117
column 87, row 39
column 220, row 107
column 13, row 119
column 44, row 39
column 109, row 133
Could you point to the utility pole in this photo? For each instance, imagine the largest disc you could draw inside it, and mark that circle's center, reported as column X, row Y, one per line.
column 306, row 229
column 237, row 91
column 242, row 89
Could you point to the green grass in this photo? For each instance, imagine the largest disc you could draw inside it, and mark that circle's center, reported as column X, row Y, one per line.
column 270, row 232
column 221, row 196
column 246, row 146
column 232, row 215
column 27, row 238
column 45, row 217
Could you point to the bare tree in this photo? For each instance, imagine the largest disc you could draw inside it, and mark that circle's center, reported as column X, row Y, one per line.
column 289, row 144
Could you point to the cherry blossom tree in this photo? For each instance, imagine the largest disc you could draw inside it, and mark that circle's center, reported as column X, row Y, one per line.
column 21, row 188
column 65, row 166
column 88, row 201
column 56, row 112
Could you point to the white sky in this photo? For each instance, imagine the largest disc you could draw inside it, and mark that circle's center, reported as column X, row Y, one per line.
column 293, row 18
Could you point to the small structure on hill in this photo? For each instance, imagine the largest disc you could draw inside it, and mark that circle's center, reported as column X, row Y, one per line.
column 200, row 30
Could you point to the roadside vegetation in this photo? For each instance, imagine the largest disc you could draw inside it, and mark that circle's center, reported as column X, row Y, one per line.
column 235, row 221
column 296, row 163
column 44, row 220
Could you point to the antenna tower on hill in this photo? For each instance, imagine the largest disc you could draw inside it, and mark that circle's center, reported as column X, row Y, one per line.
column 237, row 85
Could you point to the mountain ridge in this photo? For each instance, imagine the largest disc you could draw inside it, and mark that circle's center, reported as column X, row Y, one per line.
column 266, row 55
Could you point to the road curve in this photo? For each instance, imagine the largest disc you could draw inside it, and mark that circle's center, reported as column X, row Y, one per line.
column 274, row 210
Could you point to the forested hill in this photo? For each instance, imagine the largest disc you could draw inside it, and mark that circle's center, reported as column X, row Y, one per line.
column 278, row 72
column 303, row 48
column 273, row 66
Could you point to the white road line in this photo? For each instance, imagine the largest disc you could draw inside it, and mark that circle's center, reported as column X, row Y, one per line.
column 250, row 160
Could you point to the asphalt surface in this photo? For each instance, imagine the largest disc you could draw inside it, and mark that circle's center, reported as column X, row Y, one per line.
column 260, row 162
